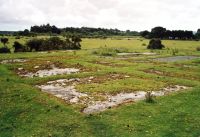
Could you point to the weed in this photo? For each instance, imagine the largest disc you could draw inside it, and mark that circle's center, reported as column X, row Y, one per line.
column 149, row 97
column 74, row 52
column 144, row 44
column 174, row 51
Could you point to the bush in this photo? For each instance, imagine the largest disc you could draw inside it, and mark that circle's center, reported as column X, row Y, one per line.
column 76, row 42
column 5, row 50
column 174, row 51
column 54, row 43
column 4, row 41
column 17, row 37
column 155, row 44
column 19, row 47
column 144, row 44
column 198, row 48
column 35, row 44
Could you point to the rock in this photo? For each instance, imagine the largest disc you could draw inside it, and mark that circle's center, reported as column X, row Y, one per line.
column 36, row 67
column 20, row 69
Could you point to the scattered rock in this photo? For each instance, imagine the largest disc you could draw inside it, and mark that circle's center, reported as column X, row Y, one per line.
column 13, row 61
column 20, row 69
column 52, row 72
column 65, row 89
column 36, row 67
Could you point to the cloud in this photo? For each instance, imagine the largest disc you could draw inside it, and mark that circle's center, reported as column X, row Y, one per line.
column 122, row 14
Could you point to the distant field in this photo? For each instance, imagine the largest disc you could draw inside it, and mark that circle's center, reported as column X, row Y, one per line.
column 26, row 111
column 132, row 43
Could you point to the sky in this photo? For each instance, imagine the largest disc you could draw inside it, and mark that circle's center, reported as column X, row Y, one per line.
column 122, row 14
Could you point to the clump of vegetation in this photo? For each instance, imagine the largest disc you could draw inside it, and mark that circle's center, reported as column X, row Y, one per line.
column 104, row 51
column 155, row 44
column 54, row 43
column 149, row 97
column 4, row 41
column 17, row 37
column 174, row 51
column 19, row 47
column 4, row 50
column 75, row 44
column 35, row 44
column 198, row 48
column 144, row 44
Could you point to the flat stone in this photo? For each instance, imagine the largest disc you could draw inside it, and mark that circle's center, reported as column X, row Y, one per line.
column 121, row 98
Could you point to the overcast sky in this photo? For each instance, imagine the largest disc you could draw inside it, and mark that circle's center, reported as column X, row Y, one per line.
column 122, row 14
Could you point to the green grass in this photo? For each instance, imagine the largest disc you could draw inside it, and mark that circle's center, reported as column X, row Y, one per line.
column 104, row 51
column 26, row 111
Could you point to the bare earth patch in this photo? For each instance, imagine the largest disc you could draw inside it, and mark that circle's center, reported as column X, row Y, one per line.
column 65, row 89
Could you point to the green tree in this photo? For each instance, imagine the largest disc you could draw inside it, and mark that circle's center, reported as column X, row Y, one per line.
column 4, row 41
column 158, row 32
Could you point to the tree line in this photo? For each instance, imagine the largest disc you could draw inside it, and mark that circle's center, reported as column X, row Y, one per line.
column 163, row 33
column 83, row 31
column 157, row 32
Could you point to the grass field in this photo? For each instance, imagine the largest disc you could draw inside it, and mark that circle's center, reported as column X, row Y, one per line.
column 26, row 111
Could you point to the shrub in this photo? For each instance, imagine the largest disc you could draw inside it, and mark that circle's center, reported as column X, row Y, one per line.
column 17, row 37
column 174, row 51
column 19, row 47
column 35, row 44
column 198, row 48
column 149, row 97
column 54, row 43
column 4, row 50
column 144, row 44
column 4, row 41
column 155, row 44
column 76, row 42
